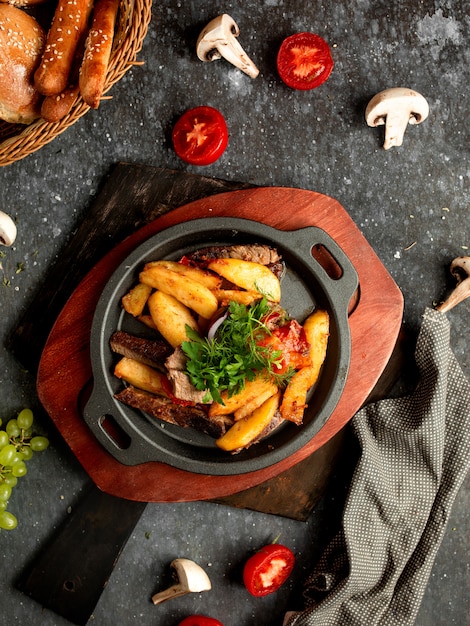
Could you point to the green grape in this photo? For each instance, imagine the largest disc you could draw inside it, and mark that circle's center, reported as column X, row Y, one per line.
column 19, row 469
column 17, row 445
column 25, row 419
column 11, row 480
column 26, row 453
column 7, row 520
column 4, row 439
column 17, row 457
column 5, row 492
column 12, row 428
column 38, row 444
column 7, row 453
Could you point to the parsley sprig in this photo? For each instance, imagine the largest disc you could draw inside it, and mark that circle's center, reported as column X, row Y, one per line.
column 233, row 355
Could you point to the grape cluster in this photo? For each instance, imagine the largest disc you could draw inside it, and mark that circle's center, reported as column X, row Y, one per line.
column 17, row 446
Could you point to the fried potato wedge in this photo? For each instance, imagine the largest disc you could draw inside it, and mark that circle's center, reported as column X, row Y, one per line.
column 248, row 429
column 252, row 389
column 134, row 301
column 208, row 279
column 189, row 292
column 250, row 276
column 294, row 400
column 140, row 375
column 170, row 317
column 148, row 321
column 317, row 330
column 225, row 296
column 252, row 405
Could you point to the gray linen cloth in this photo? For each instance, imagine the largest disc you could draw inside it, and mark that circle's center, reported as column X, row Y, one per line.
column 415, row 453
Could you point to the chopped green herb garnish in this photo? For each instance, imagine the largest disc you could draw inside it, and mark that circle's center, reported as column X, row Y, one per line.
column 233, row 355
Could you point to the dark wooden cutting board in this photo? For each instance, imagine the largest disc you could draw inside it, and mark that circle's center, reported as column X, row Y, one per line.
column 63, row 383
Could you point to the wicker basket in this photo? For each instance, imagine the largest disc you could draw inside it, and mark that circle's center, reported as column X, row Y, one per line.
column 18, row 141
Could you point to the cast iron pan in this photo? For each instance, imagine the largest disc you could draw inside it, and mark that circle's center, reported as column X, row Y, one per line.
column 132, row 437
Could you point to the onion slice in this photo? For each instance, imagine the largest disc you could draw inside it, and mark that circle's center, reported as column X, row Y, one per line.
column 217, row 323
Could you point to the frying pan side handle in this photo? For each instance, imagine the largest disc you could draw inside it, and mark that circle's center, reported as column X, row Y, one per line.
column 109, row 427
column 336, row 266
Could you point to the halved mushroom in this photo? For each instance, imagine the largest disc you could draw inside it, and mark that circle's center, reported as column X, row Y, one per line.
column 7, row 230
column 191, row 579
column 396, row 108
column 460, row 269
column 219, row 39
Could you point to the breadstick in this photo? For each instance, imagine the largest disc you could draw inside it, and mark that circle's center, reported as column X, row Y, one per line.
column 55, row 108
column 68, row 25
column 98, row 51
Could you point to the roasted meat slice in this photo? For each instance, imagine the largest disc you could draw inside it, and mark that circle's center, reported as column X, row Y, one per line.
column 257, row 253
column 164, row 409
column 180, row 382
column 152, row 352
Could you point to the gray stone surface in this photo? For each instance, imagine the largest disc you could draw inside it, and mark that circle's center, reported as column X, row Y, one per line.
column 411, row 203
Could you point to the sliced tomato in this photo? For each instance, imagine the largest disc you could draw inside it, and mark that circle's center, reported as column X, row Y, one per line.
column 290, row 340
column 200, row 136
column 304, row 61
column 268, row 569
column 200, row 620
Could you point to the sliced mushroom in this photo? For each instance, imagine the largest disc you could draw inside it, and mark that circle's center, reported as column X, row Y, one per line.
column 219, row 39
column 396, row 108
column 191, row 579
column 460, row 269
column 7, row 230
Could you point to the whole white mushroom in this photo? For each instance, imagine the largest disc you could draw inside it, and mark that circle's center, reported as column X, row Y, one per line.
column 396, row 108
column 219, row 39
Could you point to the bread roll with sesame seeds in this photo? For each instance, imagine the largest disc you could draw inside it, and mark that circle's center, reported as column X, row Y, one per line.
column 21, row 45
column 70, row 21
column 98, row 48
column 23, row 3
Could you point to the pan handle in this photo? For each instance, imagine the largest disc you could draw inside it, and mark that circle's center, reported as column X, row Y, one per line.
column 329, row 263
column 111, row 427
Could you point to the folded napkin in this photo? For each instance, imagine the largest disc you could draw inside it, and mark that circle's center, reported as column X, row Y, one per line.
column 415, row 453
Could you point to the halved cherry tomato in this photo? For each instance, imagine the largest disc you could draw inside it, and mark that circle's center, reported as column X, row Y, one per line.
column 304, row 61
column 268, row 569
column 200, row 620
column 200, row 136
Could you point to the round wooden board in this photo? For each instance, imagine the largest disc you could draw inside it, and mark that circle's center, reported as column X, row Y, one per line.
column 64, row 375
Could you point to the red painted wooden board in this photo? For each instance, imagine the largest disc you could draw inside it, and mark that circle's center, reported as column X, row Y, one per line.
column 64, row 374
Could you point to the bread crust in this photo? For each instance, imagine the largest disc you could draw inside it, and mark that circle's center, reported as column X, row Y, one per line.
column 23, row 3
column 98, row 49
column 21, row 44
column 69, row 24
column 55, row 108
